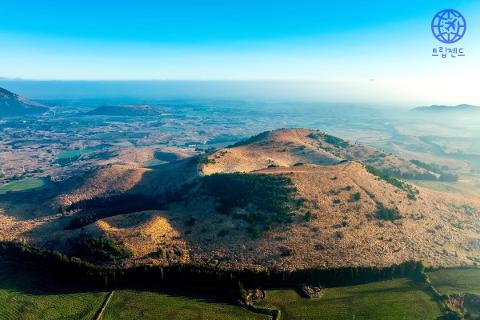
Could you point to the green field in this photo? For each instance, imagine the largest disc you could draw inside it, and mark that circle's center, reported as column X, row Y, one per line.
column 465, row 186
column 28, row 296
column 22, row 185
column 65, row 158
column 71, row 154
column 129, row 304
column 456, row 281
column 28, row 292
column 394, row 299
column 153, row 163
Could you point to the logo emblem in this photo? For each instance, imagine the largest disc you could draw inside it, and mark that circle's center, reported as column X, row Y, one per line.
column 449, row 26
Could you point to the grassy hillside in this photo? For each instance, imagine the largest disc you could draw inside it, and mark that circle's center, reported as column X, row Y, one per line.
column 395, row 299
column 287, row 147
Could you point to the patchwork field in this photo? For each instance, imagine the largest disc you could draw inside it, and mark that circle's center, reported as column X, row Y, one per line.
column 395, row 299
column 459, row 281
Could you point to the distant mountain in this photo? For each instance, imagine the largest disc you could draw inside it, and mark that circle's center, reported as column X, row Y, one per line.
column 442, row 109
column 130, row 111
column 13, row 105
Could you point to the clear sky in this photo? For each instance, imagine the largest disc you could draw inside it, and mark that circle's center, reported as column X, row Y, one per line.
column 370, row 51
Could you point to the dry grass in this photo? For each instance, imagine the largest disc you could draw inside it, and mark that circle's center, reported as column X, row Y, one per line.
column 288, row 147
column 434, row 228
column 143, row 234
column 341, row 201
column 111, row 179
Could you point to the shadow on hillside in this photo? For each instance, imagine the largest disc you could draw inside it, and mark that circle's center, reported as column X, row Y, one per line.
column 39, row 202
column 36, row 281
column 167, row 177
column 156, row 184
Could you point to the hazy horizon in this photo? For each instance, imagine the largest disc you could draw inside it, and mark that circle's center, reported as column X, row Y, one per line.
column 377, row 52
column 274, row 90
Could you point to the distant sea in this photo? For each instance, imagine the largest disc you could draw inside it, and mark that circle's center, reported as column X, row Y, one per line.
column 155, row 89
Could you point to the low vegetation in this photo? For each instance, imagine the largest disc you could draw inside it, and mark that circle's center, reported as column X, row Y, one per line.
column 257, row 138
column 411, row 192
column 337, row 142
column 442, row 171
column 199, row 274
column 270, row 198
column 100, row 208
column 355, row 197
column 410, row 175
column 97, row 249
column 389, row 214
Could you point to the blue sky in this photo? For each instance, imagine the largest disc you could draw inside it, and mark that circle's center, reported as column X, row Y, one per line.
column 341, row 44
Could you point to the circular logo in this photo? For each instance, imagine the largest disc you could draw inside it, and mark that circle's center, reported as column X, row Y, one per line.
column 449, row 26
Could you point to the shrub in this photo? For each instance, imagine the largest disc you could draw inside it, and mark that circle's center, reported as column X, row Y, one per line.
column 257, row 138
column 389, row 214
column 285, row 252
column 441, row 170
column 448, row 177
column 337, row 142
column 100, row 208
column 222, row 233
column 356, row 196
column 97, row 249
column 271, row 196
column 253, row 231
column 202, row 159
column 190, row 222
column 313, row 135
column 308, row 216
column 411, row 192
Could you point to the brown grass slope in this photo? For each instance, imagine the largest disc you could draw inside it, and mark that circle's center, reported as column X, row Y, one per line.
column 437, row 229
column 287, row 147
column 114, row 179
column 337, row 223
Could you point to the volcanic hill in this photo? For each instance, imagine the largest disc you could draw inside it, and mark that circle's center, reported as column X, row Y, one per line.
column 286, row 199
